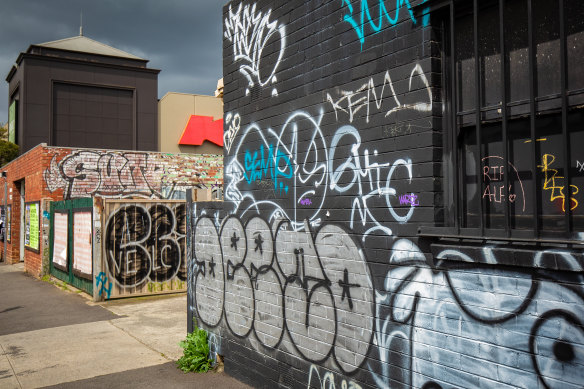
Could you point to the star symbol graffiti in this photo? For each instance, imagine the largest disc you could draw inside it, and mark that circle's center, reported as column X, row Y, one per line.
column 344, row 283
column 259, row 241
column 234, row 240
column 212, row 264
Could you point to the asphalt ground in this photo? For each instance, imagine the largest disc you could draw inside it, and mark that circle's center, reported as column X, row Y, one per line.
column 55, row 338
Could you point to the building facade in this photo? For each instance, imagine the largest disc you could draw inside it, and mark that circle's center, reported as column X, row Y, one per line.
column 180, row 114
column 403, row 196
column 77, row 92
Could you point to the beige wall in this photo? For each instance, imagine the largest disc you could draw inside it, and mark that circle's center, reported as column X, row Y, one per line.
column 174, row 111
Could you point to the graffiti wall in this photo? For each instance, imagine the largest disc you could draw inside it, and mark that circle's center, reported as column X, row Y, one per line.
column 117, row 174
column 143, row 249
column 312, row 273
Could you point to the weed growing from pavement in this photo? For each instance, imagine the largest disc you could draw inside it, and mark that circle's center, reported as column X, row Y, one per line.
column 195, row 352
column 58, row 283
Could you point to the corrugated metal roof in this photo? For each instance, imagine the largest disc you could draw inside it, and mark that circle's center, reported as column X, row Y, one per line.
column 86, row 45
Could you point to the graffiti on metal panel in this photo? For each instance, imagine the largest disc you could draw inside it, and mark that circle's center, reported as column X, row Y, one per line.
column 580, row 166
column 242, row 274
column 100, row 283
column 364, row 97
column 367, row 19
column 250, row 31
column 146, row 244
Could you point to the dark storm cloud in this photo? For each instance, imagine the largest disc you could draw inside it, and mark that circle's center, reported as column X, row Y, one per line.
column 183, row 38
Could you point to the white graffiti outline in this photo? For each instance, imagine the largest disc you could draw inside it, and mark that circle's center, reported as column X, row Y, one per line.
column 234, row 170
column 234, row 123
column 131, row 245
column 371, row 170
column 328, row 380
column 249, row 33
column 368, row 89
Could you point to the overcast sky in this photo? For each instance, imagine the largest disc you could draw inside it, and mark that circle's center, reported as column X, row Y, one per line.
column 182, row 38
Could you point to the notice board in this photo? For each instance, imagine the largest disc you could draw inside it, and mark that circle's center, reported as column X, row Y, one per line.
column 60, row 240
column 31, row 226
column 82, row 264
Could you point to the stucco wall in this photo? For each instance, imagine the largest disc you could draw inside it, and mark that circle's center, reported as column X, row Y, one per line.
column 174, row 111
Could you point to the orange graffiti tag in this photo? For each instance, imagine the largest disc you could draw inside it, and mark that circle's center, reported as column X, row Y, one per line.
column 557, row 190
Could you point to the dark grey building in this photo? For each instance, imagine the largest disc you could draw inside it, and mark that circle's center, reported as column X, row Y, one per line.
column 78, row 92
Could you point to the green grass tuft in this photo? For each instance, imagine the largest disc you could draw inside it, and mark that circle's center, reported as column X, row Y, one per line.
column 195, row 352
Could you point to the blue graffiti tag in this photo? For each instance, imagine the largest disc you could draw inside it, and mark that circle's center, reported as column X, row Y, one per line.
column 383, row 14
column 275, row 165
column 101, row 279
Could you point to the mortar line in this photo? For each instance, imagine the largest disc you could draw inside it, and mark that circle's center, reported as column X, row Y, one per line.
column 139, row 341
column 12, row 367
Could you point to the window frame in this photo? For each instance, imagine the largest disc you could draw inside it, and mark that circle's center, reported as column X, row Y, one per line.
column 444, row 13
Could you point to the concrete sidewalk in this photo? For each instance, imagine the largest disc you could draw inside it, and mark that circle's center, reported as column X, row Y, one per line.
column 51, row 337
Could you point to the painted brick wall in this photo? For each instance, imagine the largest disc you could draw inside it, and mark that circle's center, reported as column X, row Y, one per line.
column 312, row 274
column 28, row 168
column 76, row 173
column 58, row 173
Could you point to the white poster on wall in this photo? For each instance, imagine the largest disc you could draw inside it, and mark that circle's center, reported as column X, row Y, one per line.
column 60, row 240
column 82, row 243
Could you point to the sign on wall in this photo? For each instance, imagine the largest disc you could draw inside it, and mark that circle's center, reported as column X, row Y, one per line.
column 60, row 240
column 31, row 225
column 8, row 222
column 3, row 221
column 82, row 264
column 12, row 122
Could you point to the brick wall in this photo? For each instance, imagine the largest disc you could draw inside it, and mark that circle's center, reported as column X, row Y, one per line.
column 333, row 153
column 27, row 168
column 58, row 173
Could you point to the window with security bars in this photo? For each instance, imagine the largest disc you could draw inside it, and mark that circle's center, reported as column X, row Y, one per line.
column 513, row 86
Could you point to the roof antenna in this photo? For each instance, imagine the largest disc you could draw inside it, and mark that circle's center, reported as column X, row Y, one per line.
column 81, row 25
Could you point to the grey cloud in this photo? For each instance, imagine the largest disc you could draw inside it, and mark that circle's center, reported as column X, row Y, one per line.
column 183, row 38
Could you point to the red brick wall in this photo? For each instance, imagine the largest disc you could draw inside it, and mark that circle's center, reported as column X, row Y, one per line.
column 27, row 168
column 59, row 173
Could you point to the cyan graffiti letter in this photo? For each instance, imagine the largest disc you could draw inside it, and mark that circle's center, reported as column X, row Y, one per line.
column 100, row 282
column 275, row 165
column 359, row 27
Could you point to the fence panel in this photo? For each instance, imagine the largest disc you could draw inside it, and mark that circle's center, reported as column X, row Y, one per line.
column 143, row 249
column 70, row 240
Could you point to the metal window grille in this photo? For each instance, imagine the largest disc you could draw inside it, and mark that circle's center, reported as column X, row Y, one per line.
column 514, row 97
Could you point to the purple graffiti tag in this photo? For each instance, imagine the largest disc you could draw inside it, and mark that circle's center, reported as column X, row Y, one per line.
column 409, row 199
column 305, row 202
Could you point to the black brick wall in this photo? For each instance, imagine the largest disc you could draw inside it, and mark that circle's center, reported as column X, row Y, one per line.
column 333, row 160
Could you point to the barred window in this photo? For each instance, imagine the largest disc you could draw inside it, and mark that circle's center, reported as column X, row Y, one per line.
column 514, row 120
